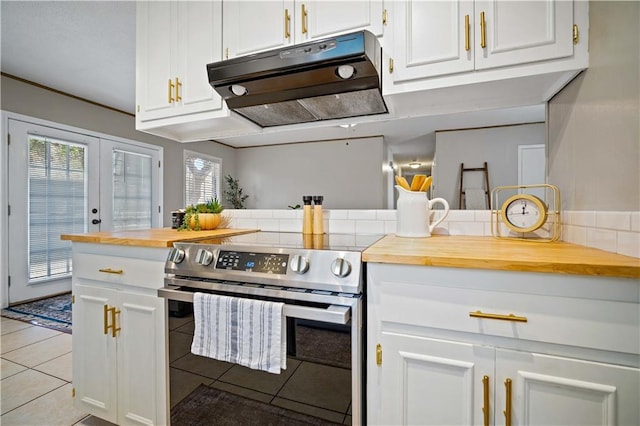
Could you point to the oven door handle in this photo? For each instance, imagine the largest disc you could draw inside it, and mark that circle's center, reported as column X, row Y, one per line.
column 334, row 314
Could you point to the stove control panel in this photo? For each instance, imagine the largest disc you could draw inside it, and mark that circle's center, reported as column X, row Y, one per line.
column 269, row 263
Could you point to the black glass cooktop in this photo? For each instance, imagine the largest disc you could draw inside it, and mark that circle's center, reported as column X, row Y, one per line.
column 346, row 242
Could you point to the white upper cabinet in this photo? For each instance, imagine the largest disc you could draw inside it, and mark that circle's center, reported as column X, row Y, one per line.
column 435, row 38
column 175, row 41
column 517, row 32
column 253, row 26
column 430, row 38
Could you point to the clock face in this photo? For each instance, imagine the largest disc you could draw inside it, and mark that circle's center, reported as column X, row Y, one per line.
column 524, row 213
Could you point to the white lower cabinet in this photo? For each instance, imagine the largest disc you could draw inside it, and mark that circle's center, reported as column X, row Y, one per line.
column 119, row 345
column 431, row 363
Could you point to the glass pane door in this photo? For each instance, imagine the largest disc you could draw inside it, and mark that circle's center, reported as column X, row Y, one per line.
column 52, row 191
column 130, row 196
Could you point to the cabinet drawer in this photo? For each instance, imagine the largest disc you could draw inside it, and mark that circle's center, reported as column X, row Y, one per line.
column 137, row 272
column 591, row 323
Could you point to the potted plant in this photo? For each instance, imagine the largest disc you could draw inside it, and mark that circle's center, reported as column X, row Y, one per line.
column 202, row 216
column 235, row 194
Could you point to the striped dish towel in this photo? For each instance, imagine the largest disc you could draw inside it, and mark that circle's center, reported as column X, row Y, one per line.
column 242, row 331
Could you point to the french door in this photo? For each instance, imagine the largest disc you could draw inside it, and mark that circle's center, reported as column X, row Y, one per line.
column 64, row 182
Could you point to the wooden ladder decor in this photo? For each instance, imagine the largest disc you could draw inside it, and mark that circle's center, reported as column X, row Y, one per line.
column 487, row 191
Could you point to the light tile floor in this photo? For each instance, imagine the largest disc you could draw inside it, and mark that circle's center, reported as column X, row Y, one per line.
column 35, row 390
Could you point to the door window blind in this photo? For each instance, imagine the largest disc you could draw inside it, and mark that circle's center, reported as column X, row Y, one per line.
column 57, row 204
column 132, row 190
column 202, row 177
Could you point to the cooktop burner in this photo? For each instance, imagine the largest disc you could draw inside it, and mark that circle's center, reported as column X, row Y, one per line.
column 335, row 242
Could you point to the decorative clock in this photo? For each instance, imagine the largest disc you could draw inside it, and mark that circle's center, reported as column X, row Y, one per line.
column 527, row 216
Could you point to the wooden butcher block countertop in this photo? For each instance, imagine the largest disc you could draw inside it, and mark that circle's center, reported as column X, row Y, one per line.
column 497, row 254
column 155, row 237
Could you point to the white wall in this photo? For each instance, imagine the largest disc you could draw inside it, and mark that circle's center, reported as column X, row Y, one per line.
column 594, row 122
column 348, row 173
column 498, row 146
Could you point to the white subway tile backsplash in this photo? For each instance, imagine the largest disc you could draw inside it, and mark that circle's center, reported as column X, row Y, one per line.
column 362, row 215
column 620, row 221
column 272, row 225
column 261, row 213
column 574, row 234
column 247, row 223
column 603, row 239
column 342, row 226
column 369, row 227
column 482, row 215
column 386, row 215
column 617, row 232
column 290, row 225
column 581, row 218
column 466, row 228
column 629, row 243
column 285, row 214
column 635, row 221
column 390, row 226
column 337, row 214
column 460, row 215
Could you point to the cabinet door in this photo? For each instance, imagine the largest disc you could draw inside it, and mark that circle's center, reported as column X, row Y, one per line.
column 142, row 371
column 548, row 390
column 519, row 32
column 94, row 353
column 431, row 38
column 252, row 26
column 324, row 18
column 155, row 43
column 431, row 382
column 199, row 43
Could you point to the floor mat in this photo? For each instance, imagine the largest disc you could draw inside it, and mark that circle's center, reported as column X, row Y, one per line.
column 209, row 406
column 52, row 312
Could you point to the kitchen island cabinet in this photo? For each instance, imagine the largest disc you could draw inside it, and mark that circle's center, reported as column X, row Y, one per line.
column 119, row 322
column 463, row 337
column 120, row 361
column 272, row 24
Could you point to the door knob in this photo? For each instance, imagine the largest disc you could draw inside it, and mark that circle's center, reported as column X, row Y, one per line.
column 96, row 221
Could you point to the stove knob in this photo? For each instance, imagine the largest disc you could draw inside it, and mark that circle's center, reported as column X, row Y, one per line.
column 204, row 257
column 299, row 264
column 176, row 255
column 341, row 267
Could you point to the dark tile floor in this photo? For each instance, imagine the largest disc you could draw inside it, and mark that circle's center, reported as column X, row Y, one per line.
column 318, row 390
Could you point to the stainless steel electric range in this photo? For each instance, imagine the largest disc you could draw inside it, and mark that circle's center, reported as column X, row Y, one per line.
column 318, row 277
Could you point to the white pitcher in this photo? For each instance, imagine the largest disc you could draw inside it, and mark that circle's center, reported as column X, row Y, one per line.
column 414, row 210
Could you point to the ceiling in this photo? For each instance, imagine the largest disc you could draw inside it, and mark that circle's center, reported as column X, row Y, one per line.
column 87, row 49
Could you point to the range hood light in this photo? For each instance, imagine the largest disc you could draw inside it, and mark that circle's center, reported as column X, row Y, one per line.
column 345, row 71
column 238, row 90
column 414, row 165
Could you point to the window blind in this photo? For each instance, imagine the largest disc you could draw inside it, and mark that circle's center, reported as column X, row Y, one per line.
column 132, row 186
column 57, row 204
column 202, row 177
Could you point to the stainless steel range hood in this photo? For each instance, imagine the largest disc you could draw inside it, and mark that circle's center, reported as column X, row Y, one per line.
column 336, row 77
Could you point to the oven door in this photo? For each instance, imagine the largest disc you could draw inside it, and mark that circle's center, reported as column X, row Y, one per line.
column 317, row 306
